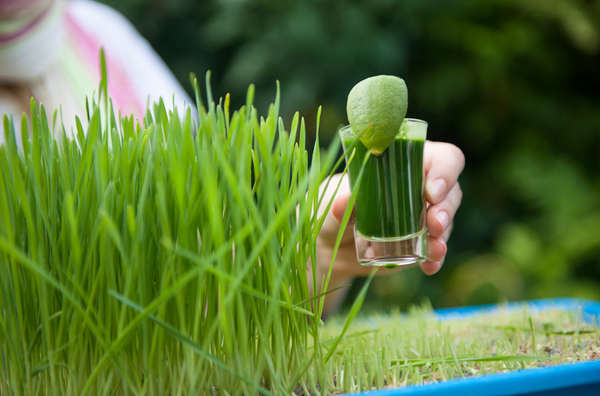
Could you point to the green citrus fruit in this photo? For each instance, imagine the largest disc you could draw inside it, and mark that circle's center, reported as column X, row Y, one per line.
column 376, row 108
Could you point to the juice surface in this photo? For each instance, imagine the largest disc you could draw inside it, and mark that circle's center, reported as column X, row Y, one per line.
column 386, row 205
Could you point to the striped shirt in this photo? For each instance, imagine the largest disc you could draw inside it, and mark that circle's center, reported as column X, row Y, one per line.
column 49, row 49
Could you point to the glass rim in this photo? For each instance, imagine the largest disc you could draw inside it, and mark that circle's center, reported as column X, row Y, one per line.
column 347, row 127
column 416, row 120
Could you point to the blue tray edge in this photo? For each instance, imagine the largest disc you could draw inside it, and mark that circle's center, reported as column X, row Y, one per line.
column 518, row 383
column 530, row 381
column 589, row 308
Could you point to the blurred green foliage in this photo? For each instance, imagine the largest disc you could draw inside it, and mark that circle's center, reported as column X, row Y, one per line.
column 514, row 83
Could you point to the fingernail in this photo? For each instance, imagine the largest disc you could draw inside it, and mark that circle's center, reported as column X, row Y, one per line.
column 437, row 190
column 443, row 218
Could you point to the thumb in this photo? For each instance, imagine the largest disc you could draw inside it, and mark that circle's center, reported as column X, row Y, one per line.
column 339, row 208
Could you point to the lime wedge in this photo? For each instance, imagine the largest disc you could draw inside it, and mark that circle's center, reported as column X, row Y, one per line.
column 376, row 108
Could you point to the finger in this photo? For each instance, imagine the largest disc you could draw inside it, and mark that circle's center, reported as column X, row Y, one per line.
column 435, row 257
column 446, row 235
column 431, row 267
column 340, row 204
column 440, row 216
column 443, row 163
column 436, row 249
column 331, row 226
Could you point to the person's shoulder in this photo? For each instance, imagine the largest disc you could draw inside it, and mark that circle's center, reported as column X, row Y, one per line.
column 101, row 18
column 146, row 71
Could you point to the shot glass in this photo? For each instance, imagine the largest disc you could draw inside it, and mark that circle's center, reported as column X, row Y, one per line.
column 390, row 209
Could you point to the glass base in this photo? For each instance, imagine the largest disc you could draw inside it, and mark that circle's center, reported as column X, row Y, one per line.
column 391, row 252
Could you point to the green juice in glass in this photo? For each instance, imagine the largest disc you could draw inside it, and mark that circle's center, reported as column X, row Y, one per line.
column 390, row 204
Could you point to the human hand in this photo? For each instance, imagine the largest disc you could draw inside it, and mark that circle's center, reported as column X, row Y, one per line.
column 443, row 163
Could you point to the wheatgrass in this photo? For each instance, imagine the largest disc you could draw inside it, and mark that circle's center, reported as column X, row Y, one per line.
column 160, row 256
column 394, row 350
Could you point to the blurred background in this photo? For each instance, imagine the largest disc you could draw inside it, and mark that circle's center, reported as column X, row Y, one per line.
column 514, row 83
